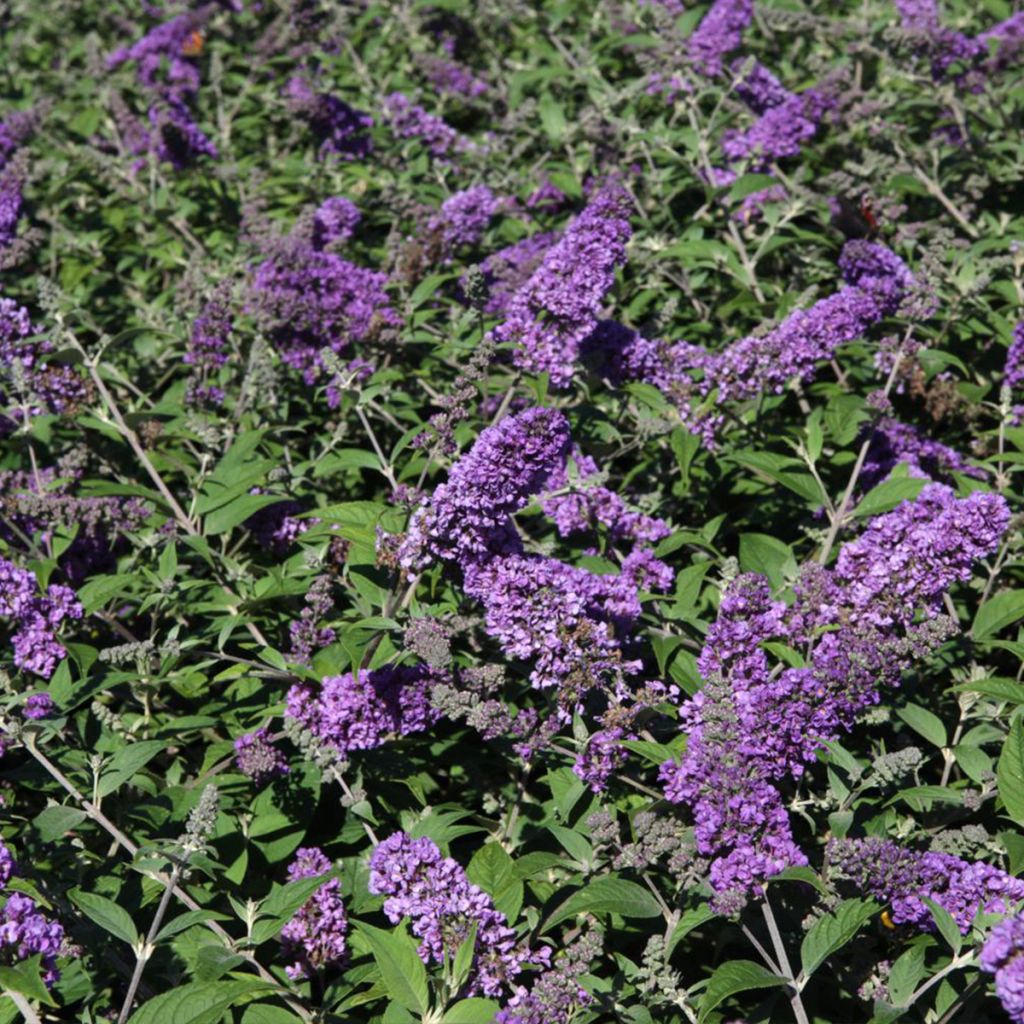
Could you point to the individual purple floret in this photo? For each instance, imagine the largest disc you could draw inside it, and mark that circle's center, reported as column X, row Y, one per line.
column 559, row 306
column 348, row 713
column 409, row 121
column 257, row 757
column 1001, row 956
column 433, row 891
column 719, row 33
column 335, row 221
column 467, row 518
column 464, row 217
column 904, row 878
column 315, row 936
column 341, row 130
column 894, row 443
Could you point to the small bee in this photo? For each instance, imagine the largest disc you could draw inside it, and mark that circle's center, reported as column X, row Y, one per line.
column 193, row 45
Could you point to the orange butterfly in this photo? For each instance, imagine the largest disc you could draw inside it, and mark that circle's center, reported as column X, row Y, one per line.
column 193, row 46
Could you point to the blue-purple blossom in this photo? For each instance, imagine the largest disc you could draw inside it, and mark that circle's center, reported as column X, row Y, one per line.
column 433, row 891
column 464, row 217
column 35, row 618
column 467, row 519
column 699, row 382
column 1013, row 371
column 25, row 931
column 1001, row 956
column 508, row 270
column 904, row 878
column 449, row 76
column 315, row 936
column 257, row 757
column 310, row 298
column 335, row 221
column 208, row 349
column 341, row 130
column 718, row 34
column 858, row 624
column 780, row 131
column 38, row 706
column 550, row 316
column 409, row 121
column 893, row 443
column 349, row 712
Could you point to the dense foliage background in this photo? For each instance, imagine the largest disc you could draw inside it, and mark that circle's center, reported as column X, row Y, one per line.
column 397, row 398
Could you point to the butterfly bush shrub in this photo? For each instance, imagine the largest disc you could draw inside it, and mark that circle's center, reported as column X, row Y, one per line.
column 511, row 512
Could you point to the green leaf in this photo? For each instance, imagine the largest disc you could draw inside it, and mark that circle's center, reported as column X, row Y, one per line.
column 768, row 556
column 201, row 1002
column 924, row 723
column 691, row 919
column 471, row 1011
column 997, row 613
column 54, row 821
column 107, row 914
column 228, row 516
column 1010, row 772
column 464, row 958
column 887, row 495
column 608, row 895
column 732, row 977
column 267, row 1013
column 552, row 117
column 831, row 932
column 282, row 903
column 784, row 470
column 944, row 922
column 26, row 978
column 906, row 972
column 492, row 869
column 405, row 977
column 126, row 762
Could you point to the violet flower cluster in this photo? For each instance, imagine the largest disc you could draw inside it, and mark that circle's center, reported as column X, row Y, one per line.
column 432, row 890
column 257, row 757
column 506, row 271
column 409, row 121
column 315, row 936
column 566, row 622
column 35, row 618
column 904, row 878
column 1001, row 955
column 165, row 62
column 876, row 282
column 25, row 931
column 32, row 383
column 718, row 34
column 559, row 306
column 893, row 443
column 14, row 131
column 349, row 712
column 341, row 130
column 207, row 352
column 463, row 218
column 309, row 298
column 861, row 624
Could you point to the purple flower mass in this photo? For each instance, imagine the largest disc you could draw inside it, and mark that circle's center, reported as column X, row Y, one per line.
column 751, row 727
column 315, row 936
column 718, row 34
column 1001, row 956
column 35, row 618
column 25, row 931
column 347, row 713
column 432, row 890
column 559, row 306
column 341, row 130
